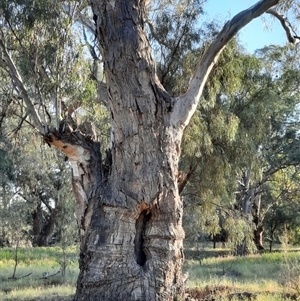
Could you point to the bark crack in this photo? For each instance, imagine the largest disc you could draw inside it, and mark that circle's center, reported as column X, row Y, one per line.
column 140, row 227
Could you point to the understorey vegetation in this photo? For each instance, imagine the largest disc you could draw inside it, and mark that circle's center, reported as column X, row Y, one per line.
column 213, row 274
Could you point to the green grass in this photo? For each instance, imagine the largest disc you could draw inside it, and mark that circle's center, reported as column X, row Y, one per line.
column 54, row 293
column 266, row 277
column 41, row 253
column 38, row 261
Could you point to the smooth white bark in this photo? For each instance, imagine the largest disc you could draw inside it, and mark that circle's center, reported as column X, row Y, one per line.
column 294, row 39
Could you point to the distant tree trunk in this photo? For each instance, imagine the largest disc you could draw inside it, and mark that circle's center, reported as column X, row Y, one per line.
column 258, row 238
column 259, row 228
column 243, row 208
column 248, row 203
column 220, row 237
column 214, row 241
column 273, row 228
column 42, row 227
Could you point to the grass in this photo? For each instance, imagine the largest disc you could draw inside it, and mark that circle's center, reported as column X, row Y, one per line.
column 54, row 293
column 264, row 277
column 37, row 262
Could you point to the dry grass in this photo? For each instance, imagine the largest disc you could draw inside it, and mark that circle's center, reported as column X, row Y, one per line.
column 255, row 277
column 37, row 261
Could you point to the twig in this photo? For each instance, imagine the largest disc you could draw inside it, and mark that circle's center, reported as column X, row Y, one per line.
column 20, row 277
column 49, row 275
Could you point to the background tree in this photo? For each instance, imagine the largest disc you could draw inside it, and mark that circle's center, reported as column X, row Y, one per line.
column 281, row 216
column 40, row 181
column 248, row 134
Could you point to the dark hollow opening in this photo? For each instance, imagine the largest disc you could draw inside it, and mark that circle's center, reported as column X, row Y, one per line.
column 139, row 237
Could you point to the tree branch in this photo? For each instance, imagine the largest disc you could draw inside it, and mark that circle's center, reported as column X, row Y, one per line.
column 20, row 277
column 17, row 80
column 286, row 26
column 46, row 275
column 186, row 105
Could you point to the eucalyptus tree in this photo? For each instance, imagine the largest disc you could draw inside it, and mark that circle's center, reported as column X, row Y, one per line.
column 43, row 183
column 35, row 180
column 250, row 134
column 281, row 215
column 128, row 204
column 274, row 111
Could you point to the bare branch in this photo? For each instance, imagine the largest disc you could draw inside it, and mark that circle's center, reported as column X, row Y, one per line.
column 286, row 26
column 47, row 275
column 17, row 80
column 186, row 105
column 20, row 277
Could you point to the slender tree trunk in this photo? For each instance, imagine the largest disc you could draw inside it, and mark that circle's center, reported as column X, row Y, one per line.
column 259, row 228
column 39, row 238
column 258, row 237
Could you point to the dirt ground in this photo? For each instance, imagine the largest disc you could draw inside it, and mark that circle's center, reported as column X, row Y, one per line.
column 216, row 293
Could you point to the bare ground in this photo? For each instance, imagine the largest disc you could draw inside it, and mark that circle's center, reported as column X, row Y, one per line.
column 216, row 293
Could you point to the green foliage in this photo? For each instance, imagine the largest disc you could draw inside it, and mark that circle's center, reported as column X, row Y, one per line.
column 6, row 164
column 38, row 197
column 173, row 34
column 44, row 43
column 248, row 121
column 240, row 235
column 283, row 212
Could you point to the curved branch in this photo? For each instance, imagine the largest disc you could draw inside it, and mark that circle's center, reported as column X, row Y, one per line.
column 186, row 105
column 286, row 26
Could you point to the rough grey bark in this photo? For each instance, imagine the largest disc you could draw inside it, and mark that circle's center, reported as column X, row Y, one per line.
column 132, row 244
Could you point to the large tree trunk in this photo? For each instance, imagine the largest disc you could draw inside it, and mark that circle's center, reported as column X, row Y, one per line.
column 132, row 247
column 129, row 212
column 129, row 209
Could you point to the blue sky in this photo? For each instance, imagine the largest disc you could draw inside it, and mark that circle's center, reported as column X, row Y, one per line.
column 256, row 34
